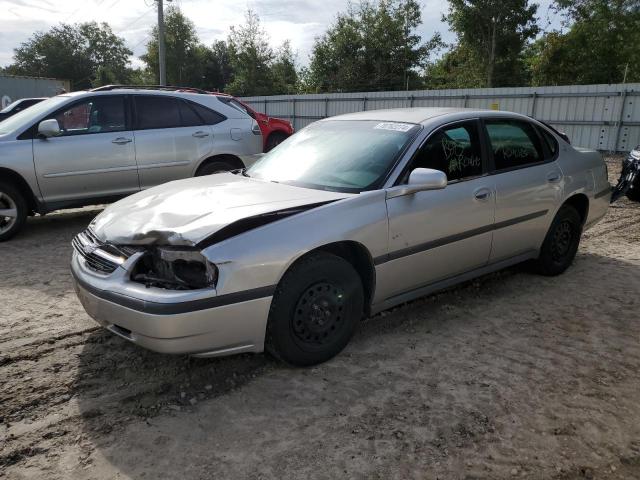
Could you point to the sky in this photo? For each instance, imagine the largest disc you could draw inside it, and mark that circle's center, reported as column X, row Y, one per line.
column 300, row 21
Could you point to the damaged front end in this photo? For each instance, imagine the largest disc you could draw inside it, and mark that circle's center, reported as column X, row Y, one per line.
column 174, row 268
column 171, row 268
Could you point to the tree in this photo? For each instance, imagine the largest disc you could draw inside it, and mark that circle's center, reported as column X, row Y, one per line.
column 251, row 58
column 185, row 55
column 73, row 52
column 457, row 68
column 283, row 70
column 217, row 67
column 492, row 34
column 373, row 46
column 602, row 45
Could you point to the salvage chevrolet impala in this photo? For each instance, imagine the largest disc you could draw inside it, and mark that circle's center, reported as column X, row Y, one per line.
column 351, row 216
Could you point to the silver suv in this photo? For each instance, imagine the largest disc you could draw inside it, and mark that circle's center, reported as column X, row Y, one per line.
column 94, row 147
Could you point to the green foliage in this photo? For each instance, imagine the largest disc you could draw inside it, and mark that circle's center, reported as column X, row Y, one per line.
column 185, row 56
column 491, row 37
column 373, row 46
column 601, row 44
column 74, row 52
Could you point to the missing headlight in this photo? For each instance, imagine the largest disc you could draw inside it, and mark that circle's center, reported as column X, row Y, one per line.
column 175, row 269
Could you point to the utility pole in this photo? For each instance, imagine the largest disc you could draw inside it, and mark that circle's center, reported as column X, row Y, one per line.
column 161, row 50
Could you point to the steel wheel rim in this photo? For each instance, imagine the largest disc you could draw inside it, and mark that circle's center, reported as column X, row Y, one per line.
column 562, row 240
column 8, row 213
column 319, row 314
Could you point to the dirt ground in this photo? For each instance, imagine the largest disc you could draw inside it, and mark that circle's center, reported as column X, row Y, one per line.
column 509, row 376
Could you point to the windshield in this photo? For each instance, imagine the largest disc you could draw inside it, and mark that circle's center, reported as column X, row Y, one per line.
column 30, row 115
column 337, row 155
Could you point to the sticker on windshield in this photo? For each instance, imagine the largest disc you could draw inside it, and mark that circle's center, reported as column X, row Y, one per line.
column 393, row 126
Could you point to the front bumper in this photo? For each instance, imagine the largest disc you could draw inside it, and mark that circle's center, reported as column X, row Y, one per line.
column 170, row 322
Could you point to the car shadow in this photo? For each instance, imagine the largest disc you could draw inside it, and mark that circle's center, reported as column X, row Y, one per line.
column 120, row 385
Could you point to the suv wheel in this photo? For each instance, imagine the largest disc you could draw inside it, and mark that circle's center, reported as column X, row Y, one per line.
column 275, row 139
column 561, row 243
column 13, row 211
column 315, row 310
column 214, row 167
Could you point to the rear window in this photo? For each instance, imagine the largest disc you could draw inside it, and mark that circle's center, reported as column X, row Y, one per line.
column 550, row 141
column 514, row 144
column 157, row 112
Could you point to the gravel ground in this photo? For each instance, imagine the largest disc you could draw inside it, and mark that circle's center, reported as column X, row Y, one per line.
column 509, row 376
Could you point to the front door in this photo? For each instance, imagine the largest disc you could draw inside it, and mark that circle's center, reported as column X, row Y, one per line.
column 434, row 235
column 93, row 157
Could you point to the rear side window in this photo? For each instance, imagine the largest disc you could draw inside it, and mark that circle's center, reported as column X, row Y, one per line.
column 550, row 142
column 208, row 116
column 514, row 144
column 157, row 112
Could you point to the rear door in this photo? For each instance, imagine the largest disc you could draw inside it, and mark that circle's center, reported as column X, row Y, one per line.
column 171, row 138
column 528, row 184
column 438, row 234
column 93, row 157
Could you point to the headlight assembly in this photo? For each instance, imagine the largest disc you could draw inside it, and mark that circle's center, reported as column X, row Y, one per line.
column 175, row 269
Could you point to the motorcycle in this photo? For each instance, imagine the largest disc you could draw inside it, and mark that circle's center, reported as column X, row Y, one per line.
column 629, row 181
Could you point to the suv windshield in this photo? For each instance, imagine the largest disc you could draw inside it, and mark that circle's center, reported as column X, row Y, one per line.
column 29, row 115
column 337, row 155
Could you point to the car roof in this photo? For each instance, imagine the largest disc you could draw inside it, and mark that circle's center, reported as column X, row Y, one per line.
column 424, row 115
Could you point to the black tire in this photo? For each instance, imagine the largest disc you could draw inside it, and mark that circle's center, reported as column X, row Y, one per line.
column 561, row 243
column 633, row 193
column 315, row 310
column 275, row 139
column 12, row 199
column 218, row 166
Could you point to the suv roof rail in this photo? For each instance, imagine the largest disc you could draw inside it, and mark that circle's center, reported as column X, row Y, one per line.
column 167, row 88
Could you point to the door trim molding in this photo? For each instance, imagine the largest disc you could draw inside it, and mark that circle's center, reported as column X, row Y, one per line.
column 422, row 247
column 450, row 281
column 90, row 172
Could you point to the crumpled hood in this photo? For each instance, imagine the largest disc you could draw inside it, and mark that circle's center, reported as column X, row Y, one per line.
column 185, row 212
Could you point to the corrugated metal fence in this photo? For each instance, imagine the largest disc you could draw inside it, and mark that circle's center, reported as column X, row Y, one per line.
column 604, row 117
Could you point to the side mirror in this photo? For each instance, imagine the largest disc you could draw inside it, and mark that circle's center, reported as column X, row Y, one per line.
column 420, row 179
column 49, row 128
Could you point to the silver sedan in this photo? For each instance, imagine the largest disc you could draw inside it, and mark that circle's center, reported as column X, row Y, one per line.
column 350, row 216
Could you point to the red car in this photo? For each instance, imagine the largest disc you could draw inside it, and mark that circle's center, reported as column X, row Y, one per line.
column 274, row 130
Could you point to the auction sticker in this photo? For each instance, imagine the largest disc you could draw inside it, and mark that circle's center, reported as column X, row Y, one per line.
column 393, row 126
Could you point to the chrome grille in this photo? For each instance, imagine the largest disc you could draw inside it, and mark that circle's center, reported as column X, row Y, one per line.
column 100, row 256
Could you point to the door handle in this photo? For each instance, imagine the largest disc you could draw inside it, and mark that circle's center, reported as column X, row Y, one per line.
column 121, row 141
column 200, row 134
column 554, row 177
column 482, row 194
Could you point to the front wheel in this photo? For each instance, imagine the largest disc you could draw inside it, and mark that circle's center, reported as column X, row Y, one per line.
column 561, row 243
column 13, row 211
column 315, row 310
column 633, row 193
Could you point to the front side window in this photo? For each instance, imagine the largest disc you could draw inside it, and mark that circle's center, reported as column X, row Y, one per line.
column 95, row 115
column 337, row 155
column 454, row 150
column 157, row 112
column 514, row 144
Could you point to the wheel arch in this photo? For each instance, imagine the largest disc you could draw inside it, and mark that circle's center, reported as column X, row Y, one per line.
column 360, row 259
column 230, row 158
column 580, row 202
column 15, row 179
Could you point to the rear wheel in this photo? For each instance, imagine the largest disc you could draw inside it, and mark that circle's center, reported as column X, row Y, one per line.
column 315, row 311
column 275, row 139
column 13, row 211
column 561, row 243
column 217, row 166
